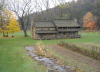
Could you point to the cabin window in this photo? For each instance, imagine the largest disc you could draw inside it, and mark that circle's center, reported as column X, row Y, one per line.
column 60, row 28
column 64, row 28
column 51, row 33
column 41, row 28
column 48, row 28
column 44, row 34
column 40, row 35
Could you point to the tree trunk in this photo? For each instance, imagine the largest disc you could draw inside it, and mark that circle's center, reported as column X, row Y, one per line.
column 7, row 34
column 25, row 34
column 3, row 34
column 22, row 24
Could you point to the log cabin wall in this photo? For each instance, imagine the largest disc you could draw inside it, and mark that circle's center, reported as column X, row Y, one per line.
column 45, row 36
column 53, row 30
column 37, row 36
column 44, row 28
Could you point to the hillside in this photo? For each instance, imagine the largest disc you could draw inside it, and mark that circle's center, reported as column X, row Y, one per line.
column 70, row 10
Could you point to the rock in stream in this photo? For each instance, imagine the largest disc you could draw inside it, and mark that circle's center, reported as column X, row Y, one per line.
column 48, row 62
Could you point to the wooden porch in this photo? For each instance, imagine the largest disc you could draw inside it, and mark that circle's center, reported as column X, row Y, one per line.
column 69, row 36
column 58, row 37
column 62, row 30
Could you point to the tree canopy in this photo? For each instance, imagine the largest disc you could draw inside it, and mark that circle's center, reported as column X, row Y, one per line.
column 9, row 23
column 89, row 22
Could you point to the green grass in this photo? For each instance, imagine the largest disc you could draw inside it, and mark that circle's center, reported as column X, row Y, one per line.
column 13, row 57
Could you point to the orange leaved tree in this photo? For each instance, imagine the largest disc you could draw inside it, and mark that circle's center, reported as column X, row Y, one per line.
column 9, row 23
column 88, row 21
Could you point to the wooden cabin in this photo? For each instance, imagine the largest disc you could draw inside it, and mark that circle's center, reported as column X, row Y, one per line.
column 43, row 30
column 56, row 29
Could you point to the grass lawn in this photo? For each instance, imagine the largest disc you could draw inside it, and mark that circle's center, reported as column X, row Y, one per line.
column 13, row 57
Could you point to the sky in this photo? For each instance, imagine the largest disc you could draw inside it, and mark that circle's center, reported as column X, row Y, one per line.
column 36, row 4
column 52, row 3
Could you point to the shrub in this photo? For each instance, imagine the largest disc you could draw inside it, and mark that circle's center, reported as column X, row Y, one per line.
column 42, row 50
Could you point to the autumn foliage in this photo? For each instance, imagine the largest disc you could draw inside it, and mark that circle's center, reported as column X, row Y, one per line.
column 88, row 21
column 9, row 23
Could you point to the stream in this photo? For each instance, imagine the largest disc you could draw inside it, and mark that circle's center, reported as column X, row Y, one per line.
column 50, row 63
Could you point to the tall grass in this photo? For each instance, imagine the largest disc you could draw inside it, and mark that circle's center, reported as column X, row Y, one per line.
column 93, row 53
column 42, row 50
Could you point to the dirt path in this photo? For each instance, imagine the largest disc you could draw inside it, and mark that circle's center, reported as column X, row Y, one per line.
column 93, row 64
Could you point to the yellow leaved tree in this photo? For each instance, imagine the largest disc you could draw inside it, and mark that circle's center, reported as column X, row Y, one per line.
column 9, row 23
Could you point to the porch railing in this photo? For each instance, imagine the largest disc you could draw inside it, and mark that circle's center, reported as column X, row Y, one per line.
column 69, row 29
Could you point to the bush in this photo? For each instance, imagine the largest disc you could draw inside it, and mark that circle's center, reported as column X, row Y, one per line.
column 42, row 50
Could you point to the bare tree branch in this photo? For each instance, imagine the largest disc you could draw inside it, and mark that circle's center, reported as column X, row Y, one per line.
column 22, row 8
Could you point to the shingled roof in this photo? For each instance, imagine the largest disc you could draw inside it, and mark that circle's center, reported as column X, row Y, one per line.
column 43, row 24
column 66, row 23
